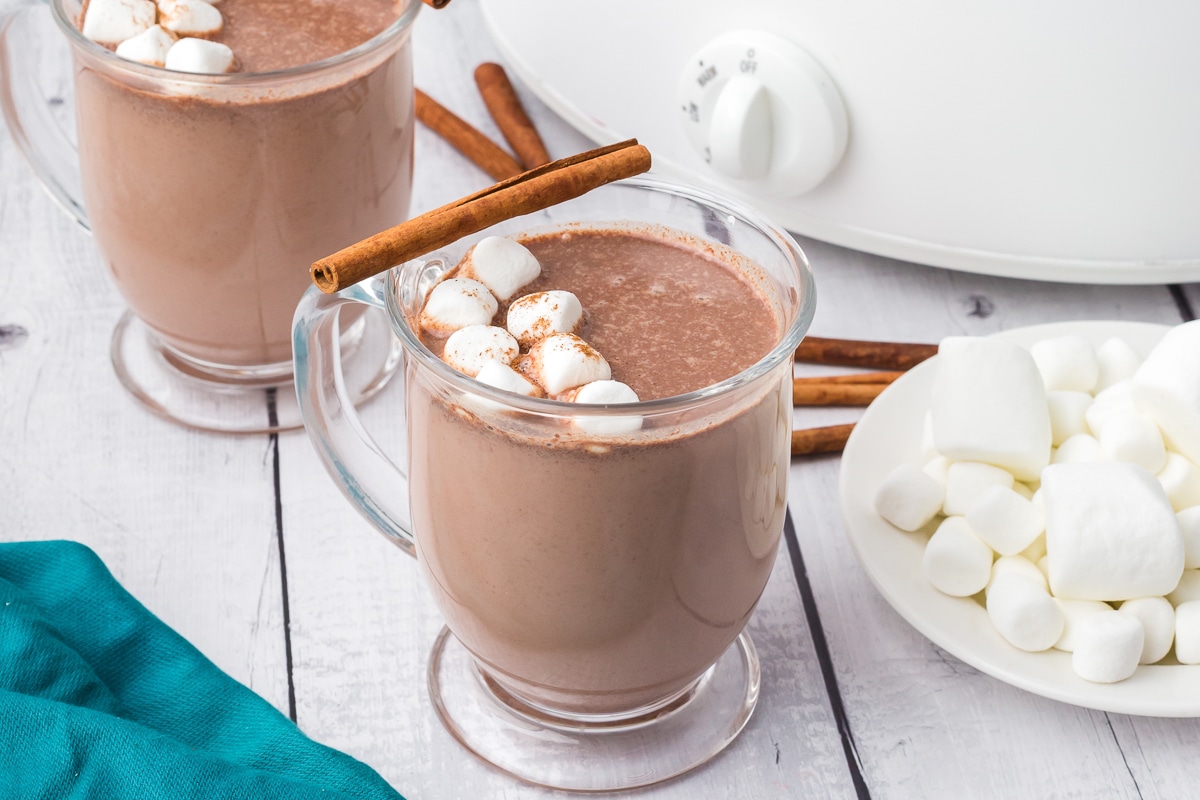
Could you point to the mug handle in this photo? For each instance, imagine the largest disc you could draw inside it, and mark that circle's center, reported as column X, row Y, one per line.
column 368, row 478
column 43, row 143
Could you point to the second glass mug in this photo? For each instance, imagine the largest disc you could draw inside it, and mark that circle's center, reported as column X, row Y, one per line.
column 210, row 195
column 595, row 587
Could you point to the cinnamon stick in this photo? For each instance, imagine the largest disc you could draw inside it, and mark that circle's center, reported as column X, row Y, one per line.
column 812, row 441
column 531, row 191
column 835, row 394
column 436, row 3
column 854, row 353
column 480, row 150
column 505, row 107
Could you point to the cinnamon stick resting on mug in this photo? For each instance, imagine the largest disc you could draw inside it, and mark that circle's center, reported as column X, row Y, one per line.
column 855, row 353
column 526, row 193
column 505, row 107
column 479, row 149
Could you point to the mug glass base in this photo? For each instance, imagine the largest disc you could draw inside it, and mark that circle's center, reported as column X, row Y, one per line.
column 593, row 754
column 218, row 399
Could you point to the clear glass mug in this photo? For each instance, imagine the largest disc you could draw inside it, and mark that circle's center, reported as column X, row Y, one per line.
column 595, row 587
column 209, row 196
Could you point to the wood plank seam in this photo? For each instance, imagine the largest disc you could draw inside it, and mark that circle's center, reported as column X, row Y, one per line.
column 1182, row 303
column 273, row 421
column 824, row 659
column 1124, row 760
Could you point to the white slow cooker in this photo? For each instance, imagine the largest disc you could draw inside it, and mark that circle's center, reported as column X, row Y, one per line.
column 1048, row 140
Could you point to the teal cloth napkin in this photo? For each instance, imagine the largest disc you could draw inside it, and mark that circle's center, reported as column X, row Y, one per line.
column 98, row 698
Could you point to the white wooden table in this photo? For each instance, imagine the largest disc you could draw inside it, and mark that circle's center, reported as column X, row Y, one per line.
column 245, row 547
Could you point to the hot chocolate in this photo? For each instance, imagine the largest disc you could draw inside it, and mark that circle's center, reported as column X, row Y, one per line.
column 597, row 574
column 209, row 198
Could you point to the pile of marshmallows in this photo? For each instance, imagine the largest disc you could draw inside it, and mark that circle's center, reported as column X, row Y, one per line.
column 538, row 352
column 163, row 34
column 1077, row 466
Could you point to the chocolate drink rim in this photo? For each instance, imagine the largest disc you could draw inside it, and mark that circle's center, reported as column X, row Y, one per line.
column 401, row 24
column 783, row 349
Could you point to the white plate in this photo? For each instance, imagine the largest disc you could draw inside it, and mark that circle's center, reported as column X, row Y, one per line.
column 890, row 434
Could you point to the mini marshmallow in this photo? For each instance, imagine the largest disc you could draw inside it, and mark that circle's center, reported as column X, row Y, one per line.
column 1107, row 647
column 909, row 497
column 1023, row 490
column 1023, row 613
column 1189, row 526
column 1116, row 399
column 1067, row 363
column 1187, row 633
column 148, row 47
column 967, row 480
column 1068, row 414
column 604, row 393
column 1006, row 521
column 1074, row 612
column 502, row 376
column 1118, row 362
column 111, row 22
column 989, row 405
column 504, row 266
column 564, row 361
column 190, row 17
column 1110, row 532
column 1009, row 565
column 536, row 316
column 938, row 468
column 1043, row 565
column 956, row 561
column 469, row 349
column 199, row 56
column 456, row 303
column 1079, row 449
column 1187, row 590
column 1039, row 500
column 1158, row 622
column 1180, row 479
column 1134, row 438
column 1166, row 388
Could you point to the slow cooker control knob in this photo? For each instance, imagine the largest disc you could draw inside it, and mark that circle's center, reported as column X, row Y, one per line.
column 763, row 113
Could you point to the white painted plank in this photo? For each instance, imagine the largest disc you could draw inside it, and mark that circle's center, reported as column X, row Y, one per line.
column 185, row 521
column 927, row 725
column 362, row 623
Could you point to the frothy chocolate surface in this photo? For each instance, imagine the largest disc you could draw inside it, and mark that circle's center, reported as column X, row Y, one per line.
column 668, row 318
column 268, row 35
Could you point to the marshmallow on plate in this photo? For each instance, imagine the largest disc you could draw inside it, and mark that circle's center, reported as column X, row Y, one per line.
column 1158, row 621
column 1189, row 526
column 938, row 468
column 989, row 405
column 1023, row 613
column 469, row 349
column 1036, row 549
column 967, row 480
column 502, row 376
column 456, row 303
column 502, row 265
column 1007, row 565
column 1187, row 633
column 1116, row 399
column 909, row 497
column 536, row 316
column 1006, row 521
column 199, row 56
column 564, row 361
column 1111, row 533
column 1068, row 414
column 1188, row 588
column 148, row 47
column 1180, row 479
column 956, row 561
column 190, row 17
column 604, row 393
column 1107, row 646
column 1079, row 449
column 1118, row 362
column 111, row 22
column 1074, row 611
column 1166, row 388
column 1134, row 438
column 1067, row 363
